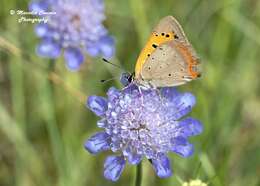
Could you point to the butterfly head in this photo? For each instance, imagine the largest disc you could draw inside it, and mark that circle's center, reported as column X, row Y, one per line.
column 127, row 78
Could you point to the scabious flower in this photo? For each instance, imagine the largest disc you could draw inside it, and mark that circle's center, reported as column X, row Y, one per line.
column 75, row 26
column 141, row 124
column 196, row 182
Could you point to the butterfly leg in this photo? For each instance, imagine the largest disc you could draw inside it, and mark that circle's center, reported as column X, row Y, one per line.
column 140, row 91
column 158, row 90
column 160, row 94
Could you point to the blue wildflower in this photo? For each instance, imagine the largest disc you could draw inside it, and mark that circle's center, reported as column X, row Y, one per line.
column 75, row 27
column 142, row 124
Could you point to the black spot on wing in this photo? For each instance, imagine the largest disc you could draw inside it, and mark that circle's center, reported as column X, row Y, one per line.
column 154, row 46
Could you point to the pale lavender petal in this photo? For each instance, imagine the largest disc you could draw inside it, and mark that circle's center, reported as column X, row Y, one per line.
column 190, row 127
column 134, row 158
column 162, row 166
column 113, row 167
column 97, row 143
column 93, row 50
column 48, row 48
column 74, row 58
column 97, row 104
column 182, row 147
column 169, row 92
column 106, row 46
column 42, row 30
column 184, row 104
column 38, row 6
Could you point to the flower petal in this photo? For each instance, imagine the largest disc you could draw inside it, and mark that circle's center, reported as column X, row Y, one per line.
column 102, row 123
column 134, row 159
column 48, row 48
column 74, row 58
column 162, row 166
column 190, row 127
column 97, row 143
column 113, row 93
column 184, row 104
column 97, row 104
column 188, row 99
column 182, row 147
column 38, row 6
column 42, row 30
column 107, row 46
column 132, row 156
column 113, row 167
column 93, row 50
column 98, row 4
column 169, row 92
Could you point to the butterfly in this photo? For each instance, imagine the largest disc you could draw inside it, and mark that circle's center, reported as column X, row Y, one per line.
column 168, row 59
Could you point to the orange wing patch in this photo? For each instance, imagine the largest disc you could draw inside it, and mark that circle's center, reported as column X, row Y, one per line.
column 190, row 60
column 154, row 41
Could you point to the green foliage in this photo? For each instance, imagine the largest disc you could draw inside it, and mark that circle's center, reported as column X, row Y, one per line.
column 44, row 123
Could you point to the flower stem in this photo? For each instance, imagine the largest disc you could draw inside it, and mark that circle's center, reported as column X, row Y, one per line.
column 51, row 65
column 138, row 178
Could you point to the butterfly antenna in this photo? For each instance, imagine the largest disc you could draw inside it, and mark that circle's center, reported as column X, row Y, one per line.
column 107, row 80
column 115, row 65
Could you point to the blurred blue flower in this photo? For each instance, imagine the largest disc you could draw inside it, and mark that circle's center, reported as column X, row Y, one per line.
column 142, row 123
column 75, row 27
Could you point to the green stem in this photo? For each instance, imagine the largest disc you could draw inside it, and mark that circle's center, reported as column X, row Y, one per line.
column 51, row 65
column 138, row 178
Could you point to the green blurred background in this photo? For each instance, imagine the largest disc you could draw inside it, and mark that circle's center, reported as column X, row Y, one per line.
column 44, row 122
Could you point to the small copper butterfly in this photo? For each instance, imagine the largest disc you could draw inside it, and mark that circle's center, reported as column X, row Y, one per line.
column 168, row 59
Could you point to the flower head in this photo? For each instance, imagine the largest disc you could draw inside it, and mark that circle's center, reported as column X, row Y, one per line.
column 194, row 183
column 142, row 124
column 75, row 26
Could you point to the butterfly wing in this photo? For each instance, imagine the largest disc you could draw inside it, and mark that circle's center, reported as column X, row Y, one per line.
column 168, row 25
column 168, row 29
column 171, row 64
